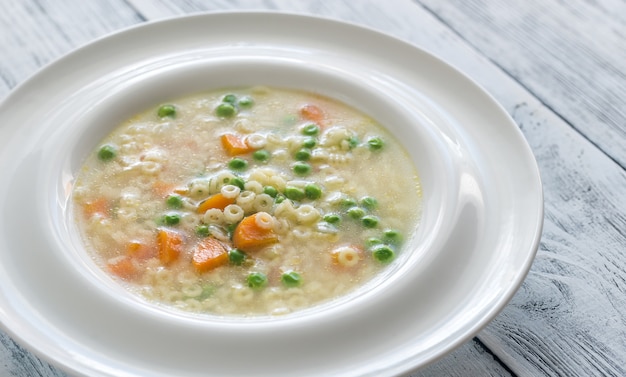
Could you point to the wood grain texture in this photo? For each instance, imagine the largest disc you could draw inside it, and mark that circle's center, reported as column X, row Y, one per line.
column 571, row 55
column 36, row 32
column 569, row 317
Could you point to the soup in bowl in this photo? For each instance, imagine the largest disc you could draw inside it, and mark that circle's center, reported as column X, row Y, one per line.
column 247, row 201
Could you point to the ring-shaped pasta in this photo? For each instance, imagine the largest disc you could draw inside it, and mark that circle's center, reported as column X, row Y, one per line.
column 263, row 203
column 233, row 213
column 230, row 191
column 213, row 216
column 307, row 214
column 264, row 220
column 256, row 141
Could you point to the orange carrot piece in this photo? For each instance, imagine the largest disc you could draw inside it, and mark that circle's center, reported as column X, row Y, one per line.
column 218, row 201
column 139, row 250
column 235, row 145
column 170, row 245
column 123, row 267
column 312, row 112
column 162, row 189
column 209, row 254
column 249, row 236
column 98, row 206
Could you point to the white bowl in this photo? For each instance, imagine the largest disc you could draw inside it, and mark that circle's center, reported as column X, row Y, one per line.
column 479, row 231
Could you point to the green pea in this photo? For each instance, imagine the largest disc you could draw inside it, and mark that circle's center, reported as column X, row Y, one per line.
column 301, row 168
column 171, row 218
column 261, row 155
column 303, row 154
column 372, row 241
column 290, row 120
column 167, row 111
column 256, row 280
column 348, row 202
column 291, row 279
column 203, row 231
column 309, row 143
column 107, row 152
column 392, row 236
column 312, row 191
column 369, row 202
column 375, row 143
column 230, row 98
column 207, row 291
column 294, row 193
column 225, row 110
column 230, row 229
column 238, row 164
column 353, row 142
column 174, row 201
column 369, row 221
column 311, row 129
column 332, row 218
column 236, row 257
column 246, row 102
column 237, row 181
column 356, row 212
column 270, row 190
column 383, row 253
column 280, row 198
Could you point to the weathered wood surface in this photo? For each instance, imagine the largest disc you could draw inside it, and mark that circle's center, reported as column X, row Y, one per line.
column 557, row 67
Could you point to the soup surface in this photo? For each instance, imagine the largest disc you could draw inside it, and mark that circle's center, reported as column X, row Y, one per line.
column 256, row 201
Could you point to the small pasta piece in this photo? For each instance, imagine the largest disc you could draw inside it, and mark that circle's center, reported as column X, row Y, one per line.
column 233, row 213
column 191, row 290
column 346, row 256
column 281, row 226
column 199, row 187
column 242, row 294
column 187, row 277
column 254, row 186
column 256, row 141
column 150, row 167
column 301, row 232
column 246, row 200
column 263, row 203
column 218, row 181
column 264, row 220
column 285, row 210
column 278, row 182
column 307, row 214
column 244, row 125
column 230, row 191
column 213, row 216
column 126, row 214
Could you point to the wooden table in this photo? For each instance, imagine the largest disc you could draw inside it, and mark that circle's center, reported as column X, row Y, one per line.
column 558, row 68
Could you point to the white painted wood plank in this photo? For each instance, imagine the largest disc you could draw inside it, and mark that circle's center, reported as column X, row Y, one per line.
column 559, row 322
column 570, row 54
column 33, row 33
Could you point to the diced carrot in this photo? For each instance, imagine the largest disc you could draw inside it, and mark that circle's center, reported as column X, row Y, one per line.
column 312, row 112
column 235, row 145
column 248, row 235
column 140, row 250
column 170, row 245
column 162, row 189
column 123, row 267
column 218, row 201
column 209, row 254
column 97, row 206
